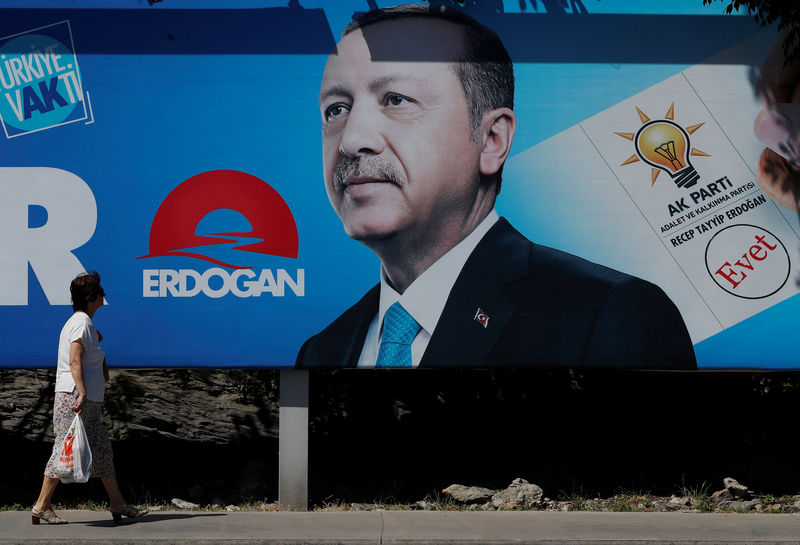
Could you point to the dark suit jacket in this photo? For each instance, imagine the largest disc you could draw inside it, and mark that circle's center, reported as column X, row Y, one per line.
column 546, row 308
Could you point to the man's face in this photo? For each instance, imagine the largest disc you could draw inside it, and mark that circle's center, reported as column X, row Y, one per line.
column 399, row 161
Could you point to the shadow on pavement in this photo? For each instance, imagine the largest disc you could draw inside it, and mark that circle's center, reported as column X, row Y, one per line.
column 155, row 517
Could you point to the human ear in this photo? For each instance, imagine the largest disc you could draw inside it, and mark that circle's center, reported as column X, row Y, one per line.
column 497, row 133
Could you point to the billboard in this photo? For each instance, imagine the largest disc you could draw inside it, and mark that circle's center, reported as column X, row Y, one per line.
column 177, row 149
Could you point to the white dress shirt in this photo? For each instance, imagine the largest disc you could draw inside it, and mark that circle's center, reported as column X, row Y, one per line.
column 425, row 298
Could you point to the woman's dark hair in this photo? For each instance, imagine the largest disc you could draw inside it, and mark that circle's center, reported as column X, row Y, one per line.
column 84, row 288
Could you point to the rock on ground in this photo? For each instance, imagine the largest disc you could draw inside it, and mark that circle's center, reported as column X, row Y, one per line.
column 739, row 505
column 362, row 506
column 468, row 494
column 679, row 501
column 738, row 491
column 721, row 495
column 519, row 494
column 183, row 504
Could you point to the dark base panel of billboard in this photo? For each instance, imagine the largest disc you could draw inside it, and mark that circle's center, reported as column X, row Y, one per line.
column 152, row 471
column 398, row 437
column 404, row 435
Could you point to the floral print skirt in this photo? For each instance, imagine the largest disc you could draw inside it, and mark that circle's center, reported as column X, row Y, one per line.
column 99, row 443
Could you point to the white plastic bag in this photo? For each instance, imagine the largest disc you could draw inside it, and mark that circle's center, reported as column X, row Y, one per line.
column 74, row 463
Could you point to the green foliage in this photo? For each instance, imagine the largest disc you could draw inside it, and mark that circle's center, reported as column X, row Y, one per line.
column 443, row 502
column 704, row 504
column 81, row 505
column 579, row 503
column 695, row 492
column 786, row 13
column 700, row 496
column 621, row 503
column 578, row 499
column 254, row 385
column 785, row 499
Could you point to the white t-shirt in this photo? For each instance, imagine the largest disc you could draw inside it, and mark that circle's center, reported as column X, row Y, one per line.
column 80, row 326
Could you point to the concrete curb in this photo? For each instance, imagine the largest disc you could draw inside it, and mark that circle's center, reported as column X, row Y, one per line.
column 405, row 528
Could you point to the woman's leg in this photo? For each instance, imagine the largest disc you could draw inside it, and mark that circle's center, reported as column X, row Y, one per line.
column 102, row 456
column 62, row 418
column 46, row 495
column 112, row 489
column 103, row 461
column 119, row 507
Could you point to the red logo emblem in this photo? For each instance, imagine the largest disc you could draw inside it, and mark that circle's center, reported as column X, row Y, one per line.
column 175, row 223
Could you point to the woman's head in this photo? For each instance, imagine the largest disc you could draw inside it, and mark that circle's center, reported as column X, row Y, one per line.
column 84, row 288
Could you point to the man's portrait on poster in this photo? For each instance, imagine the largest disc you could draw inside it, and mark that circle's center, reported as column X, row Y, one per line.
column 417, row 106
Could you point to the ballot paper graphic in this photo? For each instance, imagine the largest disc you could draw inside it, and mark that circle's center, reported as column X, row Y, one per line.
column 662, row 186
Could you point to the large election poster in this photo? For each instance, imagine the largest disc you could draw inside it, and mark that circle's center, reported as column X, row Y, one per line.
column 183, row 151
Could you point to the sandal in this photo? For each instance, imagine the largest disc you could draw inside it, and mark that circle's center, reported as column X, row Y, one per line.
column 126, row 510
column 49, row 516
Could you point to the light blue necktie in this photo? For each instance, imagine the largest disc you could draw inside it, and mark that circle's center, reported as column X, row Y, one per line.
column 399, row 330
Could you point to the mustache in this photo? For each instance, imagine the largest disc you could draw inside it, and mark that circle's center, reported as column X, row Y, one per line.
column 366, row 167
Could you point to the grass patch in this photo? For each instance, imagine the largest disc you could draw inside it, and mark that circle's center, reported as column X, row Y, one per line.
column 435, row 500
column 786, row 499
column 579, row 503
column 626, row 502
column 620, row 504
column 700, row 496
column 704, row 504
column 443, row 502
column 81, row 505
column 579, row 500
column 699, row 491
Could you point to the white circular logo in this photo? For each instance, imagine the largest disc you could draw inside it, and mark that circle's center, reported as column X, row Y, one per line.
column 747, row 261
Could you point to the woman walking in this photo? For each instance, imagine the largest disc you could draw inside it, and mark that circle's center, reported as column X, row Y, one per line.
column 80, row 384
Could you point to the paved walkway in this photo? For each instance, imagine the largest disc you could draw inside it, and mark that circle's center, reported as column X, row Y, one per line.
column 405, row 527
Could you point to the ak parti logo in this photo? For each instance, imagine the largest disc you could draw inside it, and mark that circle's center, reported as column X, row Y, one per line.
column 666, row 147
column 174, row 233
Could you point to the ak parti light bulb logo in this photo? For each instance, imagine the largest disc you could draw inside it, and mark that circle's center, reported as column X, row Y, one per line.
column 666, row 147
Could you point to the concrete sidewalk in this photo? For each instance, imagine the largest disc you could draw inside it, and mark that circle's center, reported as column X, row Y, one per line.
column 404, row 527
